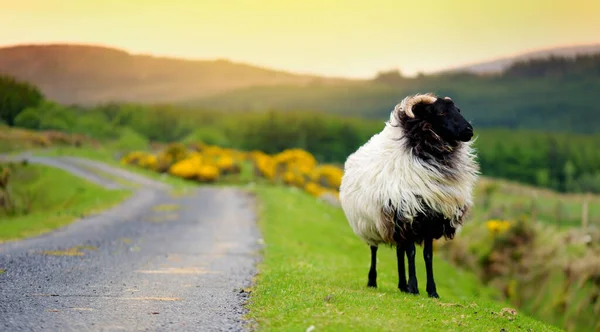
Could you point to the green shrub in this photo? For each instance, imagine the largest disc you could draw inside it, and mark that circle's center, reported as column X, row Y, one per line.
column 29, row 118
column 130, row 140
column 208, row 135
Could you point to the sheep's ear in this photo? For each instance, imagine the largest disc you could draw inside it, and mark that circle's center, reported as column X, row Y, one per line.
column 420, row 110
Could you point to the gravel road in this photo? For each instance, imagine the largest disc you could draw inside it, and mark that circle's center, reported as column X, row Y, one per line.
column 157, row 262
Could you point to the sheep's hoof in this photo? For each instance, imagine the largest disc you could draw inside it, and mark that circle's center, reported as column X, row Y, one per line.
column 403, row 288
column 413, row 289
column 434, row 295
column 372, row 284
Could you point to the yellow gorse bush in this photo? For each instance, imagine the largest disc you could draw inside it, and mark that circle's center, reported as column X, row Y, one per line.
column 297, row 157
column 328, row 175
column 295, row 176
column 498, row 226
column 208, row 163
column 208, row 173
column 314, row 189
column 264, row 164
column 226, row 163
column 149, row 162
column 187, row 168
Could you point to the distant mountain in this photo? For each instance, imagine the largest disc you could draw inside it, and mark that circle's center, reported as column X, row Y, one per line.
column 85, row 74
column 499, row 65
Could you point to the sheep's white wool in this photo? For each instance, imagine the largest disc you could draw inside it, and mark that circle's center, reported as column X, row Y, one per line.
column 383, row 169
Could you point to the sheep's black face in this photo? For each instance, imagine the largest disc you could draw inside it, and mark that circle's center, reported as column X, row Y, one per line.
column 445, row 120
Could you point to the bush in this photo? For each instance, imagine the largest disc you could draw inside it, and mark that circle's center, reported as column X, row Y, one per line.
column 29, row 118
column 208, row 163
column 130, row 140
column 16, row 97
column 208, row 135
column 95, row 125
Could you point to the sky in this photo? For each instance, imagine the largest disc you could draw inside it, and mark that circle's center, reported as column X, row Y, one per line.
column 352, row 38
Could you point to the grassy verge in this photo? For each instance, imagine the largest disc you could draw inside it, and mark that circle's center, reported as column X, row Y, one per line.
column 110, row 157
column 550, row 272
column 43, row 202
column 512, row 200
column 314, row 273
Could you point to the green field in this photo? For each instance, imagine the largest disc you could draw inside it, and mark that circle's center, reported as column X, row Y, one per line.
column 314, row 273
column 43, row 202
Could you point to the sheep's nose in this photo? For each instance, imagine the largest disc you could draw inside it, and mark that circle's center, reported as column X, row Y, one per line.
column 467, row 134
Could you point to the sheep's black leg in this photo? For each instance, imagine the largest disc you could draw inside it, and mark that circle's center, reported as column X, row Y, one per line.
column 373, row 271
column 401, row 270
column 428, row 256
column 412, row 274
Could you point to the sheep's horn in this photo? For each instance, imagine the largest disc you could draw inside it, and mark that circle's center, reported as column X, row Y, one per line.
column 408, row 103
column 447, row 98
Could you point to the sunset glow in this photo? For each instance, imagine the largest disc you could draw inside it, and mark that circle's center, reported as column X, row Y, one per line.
column 330, row 37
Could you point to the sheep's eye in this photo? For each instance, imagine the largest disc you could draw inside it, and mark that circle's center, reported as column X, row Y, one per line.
column 442, row 113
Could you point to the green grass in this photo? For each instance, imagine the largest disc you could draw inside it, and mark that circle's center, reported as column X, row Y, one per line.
column 45, row 203
column 314, row 273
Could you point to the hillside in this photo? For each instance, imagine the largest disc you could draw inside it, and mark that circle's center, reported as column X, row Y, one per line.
column 499, row 65
column 552, row 94
column 89, row 74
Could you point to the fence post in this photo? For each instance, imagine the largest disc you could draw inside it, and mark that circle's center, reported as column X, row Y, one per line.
column 558, row 213
column 584, row 211
column 533, row 211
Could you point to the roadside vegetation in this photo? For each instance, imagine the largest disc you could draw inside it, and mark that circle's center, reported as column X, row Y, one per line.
column 36, row 199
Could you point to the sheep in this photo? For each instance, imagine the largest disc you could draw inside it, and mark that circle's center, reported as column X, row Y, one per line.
column 411, row 183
